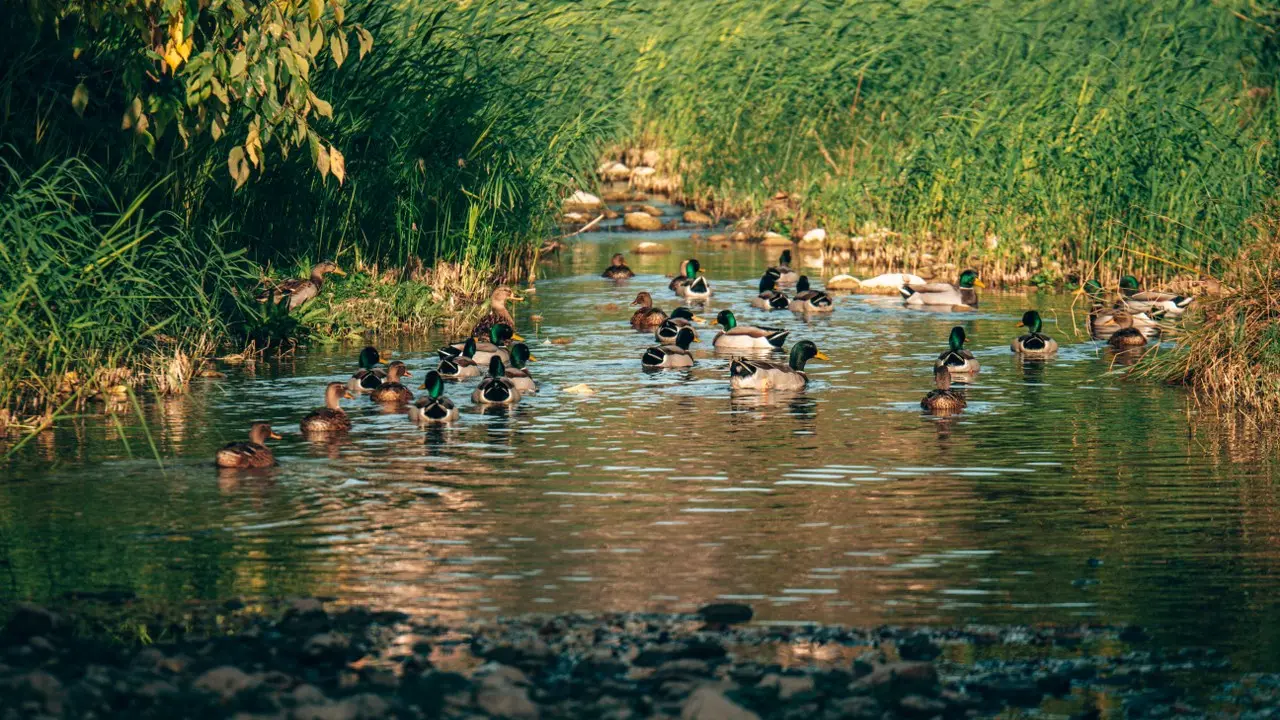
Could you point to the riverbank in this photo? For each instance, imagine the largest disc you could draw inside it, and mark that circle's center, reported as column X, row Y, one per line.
column 303, row 659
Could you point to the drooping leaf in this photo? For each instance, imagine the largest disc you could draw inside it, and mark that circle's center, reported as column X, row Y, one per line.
column 315, row 9
column 323, row 108
column 238, row 166
column 337, row 164
column 366, row 41
column 80, row 98
column 338, row 46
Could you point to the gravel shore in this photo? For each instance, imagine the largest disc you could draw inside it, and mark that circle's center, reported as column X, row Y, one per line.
column 300, row 660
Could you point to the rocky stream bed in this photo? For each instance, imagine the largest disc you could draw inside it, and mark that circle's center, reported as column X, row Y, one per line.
column 302, row 660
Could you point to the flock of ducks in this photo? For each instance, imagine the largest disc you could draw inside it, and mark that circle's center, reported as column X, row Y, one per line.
column 497, row 355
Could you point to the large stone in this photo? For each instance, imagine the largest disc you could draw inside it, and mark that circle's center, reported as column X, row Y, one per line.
column 693, row 217
column 642, row 221
column 773, row 239
column 503, row 692
column 651, row 210
column 582, row 201
column 708, row 703
column 643, row 171
column 614, row 171
column 28, row 621
column 816, row 235
column 225, row 681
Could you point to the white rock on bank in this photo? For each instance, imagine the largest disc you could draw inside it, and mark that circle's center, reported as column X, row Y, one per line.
column 773, row 239
column 583, row 200
column 643, row 171
column 816, row 235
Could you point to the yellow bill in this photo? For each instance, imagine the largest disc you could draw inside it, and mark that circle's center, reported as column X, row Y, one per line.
column 822, row 356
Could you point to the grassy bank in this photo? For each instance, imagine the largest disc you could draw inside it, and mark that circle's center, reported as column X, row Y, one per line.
column 997, row 133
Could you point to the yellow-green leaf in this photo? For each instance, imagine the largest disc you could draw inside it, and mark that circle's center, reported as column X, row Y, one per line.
column 366, row 41
column 80, row 98
column 317, row 42
column 337, row 164
column 238, row 64
column 339, row 14
column 338, row 46
column 324, row 109
column 238, row 166
column 315, row 9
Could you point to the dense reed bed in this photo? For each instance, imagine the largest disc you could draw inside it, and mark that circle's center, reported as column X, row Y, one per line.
column 1001, row 131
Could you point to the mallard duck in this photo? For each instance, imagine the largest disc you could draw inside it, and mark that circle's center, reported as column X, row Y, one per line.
column 810, row 301
column 689, row 283
column 944, row 294
column 434, row 408
column 297, row 291
column 617, row 269
column 518, row 374
column 498, row 312
column 368, row 377
column 671, row 356
column 770, row 298
column 1034, row 344
column 391, row 391
column 1136, row 300
column 252, row 454
column 1106, row 321
column 499, row 335
column 746, row 337
column 956, row 359
column 496, row 389
column 331, row 417
column 783, row 270
column 1127, row 336
column 680, row 317
column 648, row 316
column 943, row 400
column 461, row 366
column 765, row 375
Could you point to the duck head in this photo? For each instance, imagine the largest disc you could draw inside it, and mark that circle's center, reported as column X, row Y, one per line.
column 520, row 355
column 1031, row 321
column 685, row 337
column 969, row 279
column 260, row 432
column 802, row 285
column 433, row 384
column 370, row 357
column 727, row 320
column 804, row 351
column 957, row 339
column 496, row 368
column 644, row 300
column 1129, row 285
column 500, row 333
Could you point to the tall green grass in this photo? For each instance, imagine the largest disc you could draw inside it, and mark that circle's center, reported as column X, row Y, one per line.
column 93, row 294
column 1063, row 128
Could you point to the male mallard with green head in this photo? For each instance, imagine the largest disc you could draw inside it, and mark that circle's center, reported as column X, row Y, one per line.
column 434, row 408
column 252, row 454
column 648, row 316
column 498, row 312
column 297, row 291
column 746, row 337
column 681, row 317
column 1134, row 299
column 695, row 285
column 765, row 375
column 942, row 400
column 368, row 377
column 496, row 389
column 499, row 335
column 331, row 417
column 783, row 270
column 944, row 293
column 810, row 301
column 955, row 358
column 1034, row 344
column 518, row 374
column 671, row 356
column 391, row 391
column 770, row 298
column 462, row 365
column 617, row 269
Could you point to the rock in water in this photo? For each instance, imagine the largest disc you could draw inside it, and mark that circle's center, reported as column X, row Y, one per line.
column 641, row 221
column 726, row 613
column 708, row 703
column 693, row 217
column 773, row 239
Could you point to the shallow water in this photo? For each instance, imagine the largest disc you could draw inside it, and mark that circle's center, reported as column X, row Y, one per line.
column 1063, row 494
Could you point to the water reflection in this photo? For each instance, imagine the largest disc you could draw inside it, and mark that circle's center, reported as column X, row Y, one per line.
column 843, row 503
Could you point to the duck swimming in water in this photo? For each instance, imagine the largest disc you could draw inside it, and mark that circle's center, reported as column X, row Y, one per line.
column 434, row 408
column 746, row 337
column 1136, row 300
column 331, row 417
column 671, row 356
column 786, row 275
column 945, row 294
column 498, row 312
column 617, row 269
column 955, row 358
column 770, row 298
column 251, row 454
column 942, row 400
column 368, row 377
column 648, row 316
column 810, row 301
column 462, row 365
column 496, row 388
column 1034, row 344
column 764, row 375
column 691, row 285
column 681, row 317
column 518, row 374
column 391, row 391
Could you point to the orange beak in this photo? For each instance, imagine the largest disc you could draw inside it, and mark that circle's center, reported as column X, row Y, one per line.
column 275, row 435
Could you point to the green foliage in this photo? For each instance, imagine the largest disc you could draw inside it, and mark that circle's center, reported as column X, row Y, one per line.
column 195, row 68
